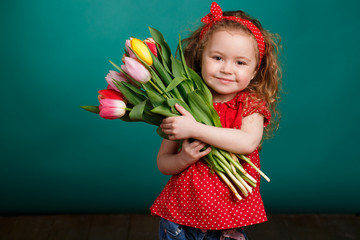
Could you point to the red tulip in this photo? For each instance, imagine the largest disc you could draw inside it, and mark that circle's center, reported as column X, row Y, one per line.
column 152, row 45
column 111, row 94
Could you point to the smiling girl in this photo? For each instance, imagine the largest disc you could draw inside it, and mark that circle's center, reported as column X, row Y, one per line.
column 237, row 59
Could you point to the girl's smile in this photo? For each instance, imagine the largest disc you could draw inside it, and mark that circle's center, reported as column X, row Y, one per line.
column 225, row 81
column 228, row 63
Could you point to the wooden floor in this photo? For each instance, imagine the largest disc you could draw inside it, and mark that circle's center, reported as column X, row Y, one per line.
column 145, row 227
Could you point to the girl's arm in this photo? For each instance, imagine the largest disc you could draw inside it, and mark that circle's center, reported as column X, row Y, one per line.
column 242, row 141
column 170, row 161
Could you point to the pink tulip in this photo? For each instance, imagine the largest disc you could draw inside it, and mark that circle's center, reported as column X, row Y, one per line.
column 117, row 76
column 128, row 46
column 151, row 45
column 136, row 70
column 111, row 108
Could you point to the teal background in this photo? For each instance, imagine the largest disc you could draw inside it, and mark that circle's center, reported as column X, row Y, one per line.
column 58, row 158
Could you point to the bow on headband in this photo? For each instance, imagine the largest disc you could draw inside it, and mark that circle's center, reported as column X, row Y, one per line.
column 216, row 15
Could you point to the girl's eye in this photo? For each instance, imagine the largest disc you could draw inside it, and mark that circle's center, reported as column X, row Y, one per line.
column 240, row 63
column 217, row 58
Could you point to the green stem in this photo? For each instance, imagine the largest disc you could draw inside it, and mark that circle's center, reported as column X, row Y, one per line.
column 237, row 165
column 228, row 183
column 233, row 178
column 223, row 156
column 253, row 165
column 159, row 90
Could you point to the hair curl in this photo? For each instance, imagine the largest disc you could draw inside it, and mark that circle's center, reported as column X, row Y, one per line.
column 267, row 82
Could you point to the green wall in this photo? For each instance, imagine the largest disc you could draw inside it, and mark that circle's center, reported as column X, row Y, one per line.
column 55, row 157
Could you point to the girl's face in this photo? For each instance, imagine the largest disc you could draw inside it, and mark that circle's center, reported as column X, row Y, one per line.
column 228, row 63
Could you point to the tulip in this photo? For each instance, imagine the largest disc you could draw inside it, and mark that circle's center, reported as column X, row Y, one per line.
column 136, row 70
column 128, row 46
column 110, row 94
column 112, row 104
column 112, row 108
column 152, row 45
column 117, row 76
column 140, row 48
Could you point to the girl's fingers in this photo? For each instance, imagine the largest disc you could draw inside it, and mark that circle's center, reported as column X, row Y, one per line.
column 164, row 125
column 182, row 110
column 168, row 120
column 198, row 146
column 205, row 152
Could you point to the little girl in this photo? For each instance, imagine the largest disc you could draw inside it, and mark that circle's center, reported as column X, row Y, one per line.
column 237, row 59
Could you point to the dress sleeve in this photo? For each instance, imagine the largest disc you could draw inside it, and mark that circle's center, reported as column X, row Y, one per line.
column 252, row 106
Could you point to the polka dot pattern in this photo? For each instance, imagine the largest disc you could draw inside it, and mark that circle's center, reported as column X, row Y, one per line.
column 197, row 197
column 216, row 15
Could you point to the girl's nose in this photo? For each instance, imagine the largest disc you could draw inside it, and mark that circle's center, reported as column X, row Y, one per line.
column 226, row 68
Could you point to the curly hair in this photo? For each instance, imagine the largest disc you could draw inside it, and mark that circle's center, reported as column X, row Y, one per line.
column 267, row 82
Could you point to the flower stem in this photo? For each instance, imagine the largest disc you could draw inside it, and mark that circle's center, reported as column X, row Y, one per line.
column 253, row 165
column 228, row 183
column 159, row 90
column 233, row 178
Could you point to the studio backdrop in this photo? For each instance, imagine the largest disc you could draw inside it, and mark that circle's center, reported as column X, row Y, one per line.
column 58, row 158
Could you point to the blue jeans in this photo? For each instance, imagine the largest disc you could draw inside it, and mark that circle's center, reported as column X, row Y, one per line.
column 173, row 231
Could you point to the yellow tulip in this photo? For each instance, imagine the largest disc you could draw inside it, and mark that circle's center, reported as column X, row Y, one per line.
column 141, row 50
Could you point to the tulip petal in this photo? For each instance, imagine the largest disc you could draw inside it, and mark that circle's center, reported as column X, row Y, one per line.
column 117, row 76
column 140, row 48
column 111, row 108
column 136, row 70
column 112, row 113
column 112, row 103
column 128, row 46
column 152, row 45
column 111, row 94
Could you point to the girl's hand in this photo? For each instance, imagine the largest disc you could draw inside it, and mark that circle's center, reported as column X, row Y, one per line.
column 181, row 127
column 191, row 152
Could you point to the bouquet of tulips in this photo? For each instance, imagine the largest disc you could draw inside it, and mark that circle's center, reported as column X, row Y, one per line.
column 147, row 87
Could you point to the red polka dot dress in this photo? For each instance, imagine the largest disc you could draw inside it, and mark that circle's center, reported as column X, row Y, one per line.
column 198, row 198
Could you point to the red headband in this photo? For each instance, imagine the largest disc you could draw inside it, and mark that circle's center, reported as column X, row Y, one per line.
column 216, row 15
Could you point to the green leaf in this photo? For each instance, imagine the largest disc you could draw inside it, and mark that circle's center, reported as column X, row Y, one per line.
column 164, row 111
column 177, row 67
column 164, row 75
column 171, row 103
column 213, row 113
column 174, row 83
column 155, row 98
column 183, row 59
column 131, row 87
column 126, row 118
column 137, row 112
column 165, row 49
column 161, row 58
column 200, row 84
column 152, row 118
column 93, row 109
column 200, row 108
column 131, row 95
